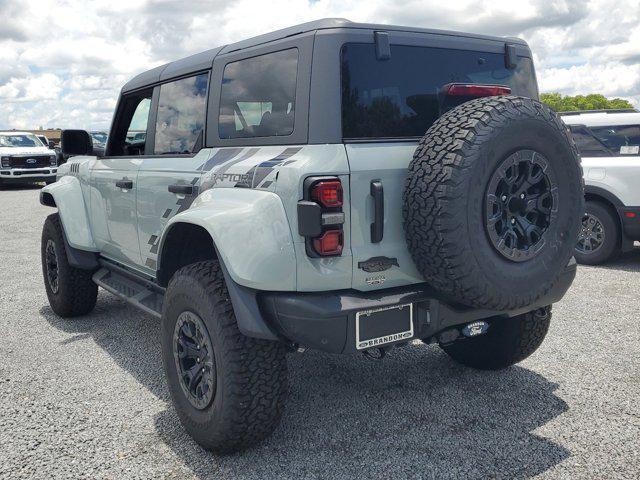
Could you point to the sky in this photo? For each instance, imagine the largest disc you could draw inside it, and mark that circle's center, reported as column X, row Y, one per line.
column 62, row 63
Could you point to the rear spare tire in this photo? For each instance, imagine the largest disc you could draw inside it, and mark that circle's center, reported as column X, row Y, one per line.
column 493, row 201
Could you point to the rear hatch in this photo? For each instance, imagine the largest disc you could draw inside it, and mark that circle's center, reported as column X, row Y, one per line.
column 387, row 105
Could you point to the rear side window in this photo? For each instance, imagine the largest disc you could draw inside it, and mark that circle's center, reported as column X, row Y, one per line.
column 402, row 96
column 257, row 98
column 588, row 145
column 181, row 113
column 620, row 139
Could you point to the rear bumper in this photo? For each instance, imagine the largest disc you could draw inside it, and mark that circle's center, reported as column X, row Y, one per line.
column 327, row 321
column 630, row 217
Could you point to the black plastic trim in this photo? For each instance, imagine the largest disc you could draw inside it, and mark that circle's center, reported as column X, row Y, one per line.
column 326, row 320
column 377, row 227
column 309, row 219
column 630, row 226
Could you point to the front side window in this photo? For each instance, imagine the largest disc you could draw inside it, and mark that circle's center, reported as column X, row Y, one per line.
column 403, row 96
column 620, row 139
column 181, row 114
column 257, row 98
column 130, row 129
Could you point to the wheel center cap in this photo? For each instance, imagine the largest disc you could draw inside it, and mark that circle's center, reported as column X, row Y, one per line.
column 516, row 205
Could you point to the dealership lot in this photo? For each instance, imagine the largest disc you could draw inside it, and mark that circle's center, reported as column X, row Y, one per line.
column 86, row 398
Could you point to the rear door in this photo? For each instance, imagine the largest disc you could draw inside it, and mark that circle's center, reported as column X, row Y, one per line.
column 620, row 171
column 114, row 183
column 169, row 177
column 387, row 105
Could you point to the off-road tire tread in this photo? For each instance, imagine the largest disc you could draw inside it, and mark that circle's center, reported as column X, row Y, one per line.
column 435, row 222
column 507, row 342
column 257, row 383
column 79, row 293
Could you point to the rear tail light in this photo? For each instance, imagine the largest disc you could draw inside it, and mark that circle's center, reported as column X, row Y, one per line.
column 329, row 243
column 320, row 216
column 328, row 193
column 471, row 90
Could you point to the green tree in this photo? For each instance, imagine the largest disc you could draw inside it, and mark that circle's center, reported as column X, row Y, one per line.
column 594, row 101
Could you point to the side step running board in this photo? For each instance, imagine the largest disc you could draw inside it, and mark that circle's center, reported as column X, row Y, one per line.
column 125, row 287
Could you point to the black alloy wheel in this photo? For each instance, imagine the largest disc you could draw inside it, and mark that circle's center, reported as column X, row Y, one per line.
column 194, row 359
column 51, row 262
column 520, row 205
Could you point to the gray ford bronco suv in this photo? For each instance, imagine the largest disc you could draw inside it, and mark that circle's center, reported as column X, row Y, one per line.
column 337, row 186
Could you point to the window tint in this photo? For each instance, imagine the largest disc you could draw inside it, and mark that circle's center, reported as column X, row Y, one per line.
column 137, row 130
column 588, row 145
column 620, row 139
column 258, row 96
column 402, row 96
column 181, row 113
column 128, row 137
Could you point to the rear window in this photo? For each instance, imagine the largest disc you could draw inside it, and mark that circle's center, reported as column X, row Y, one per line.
column 588, row 145
column 181, row 112
column 402, row 96
column 620, row 139
column 257, row 98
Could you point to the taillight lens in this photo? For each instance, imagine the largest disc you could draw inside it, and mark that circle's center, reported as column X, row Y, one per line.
column 328, row 193
column 329, row 243
column 470, row 90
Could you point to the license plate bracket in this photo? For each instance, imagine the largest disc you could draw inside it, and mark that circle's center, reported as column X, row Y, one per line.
column 381, row 326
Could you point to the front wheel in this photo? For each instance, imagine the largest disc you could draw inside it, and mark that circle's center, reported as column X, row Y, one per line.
column 71, row 291
column 507, row 342
column 228, row 389
column 599, row 236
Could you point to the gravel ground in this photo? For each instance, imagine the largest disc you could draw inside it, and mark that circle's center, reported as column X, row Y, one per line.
column 86, row 398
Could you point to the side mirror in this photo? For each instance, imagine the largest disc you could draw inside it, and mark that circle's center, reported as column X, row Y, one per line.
column 76, row 142
column 52, row 144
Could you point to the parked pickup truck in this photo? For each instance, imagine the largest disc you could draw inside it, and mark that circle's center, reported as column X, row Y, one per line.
column 336, row 186
column 24, row 158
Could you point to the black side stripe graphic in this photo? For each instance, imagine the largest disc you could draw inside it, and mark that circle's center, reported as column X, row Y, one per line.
column 211, row 179
column 219, row 157
column 182, row 204
column 259, row 172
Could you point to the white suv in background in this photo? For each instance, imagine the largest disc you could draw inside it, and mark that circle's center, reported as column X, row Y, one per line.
column 24, row 159
column 609, row 143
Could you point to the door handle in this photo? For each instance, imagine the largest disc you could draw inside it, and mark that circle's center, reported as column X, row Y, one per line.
column 181, row 189
column 125, row 183
column 377, row 227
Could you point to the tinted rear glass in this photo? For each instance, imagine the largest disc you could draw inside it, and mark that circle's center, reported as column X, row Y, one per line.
column 588, row 145
column 402, row 96
column 181, row 111
column 621, row 139
column 258, row 96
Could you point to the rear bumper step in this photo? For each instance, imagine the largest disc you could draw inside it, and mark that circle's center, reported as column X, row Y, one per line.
column 327, row 321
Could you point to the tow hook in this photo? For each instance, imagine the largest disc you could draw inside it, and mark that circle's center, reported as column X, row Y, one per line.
column 470, row 330
column 375, row 353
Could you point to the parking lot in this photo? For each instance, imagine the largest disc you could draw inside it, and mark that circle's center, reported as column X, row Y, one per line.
column 86, row 398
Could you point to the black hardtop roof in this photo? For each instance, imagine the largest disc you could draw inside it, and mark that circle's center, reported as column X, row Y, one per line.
column 203, row 60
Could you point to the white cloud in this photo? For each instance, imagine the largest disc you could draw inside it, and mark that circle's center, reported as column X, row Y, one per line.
column 63, row 62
